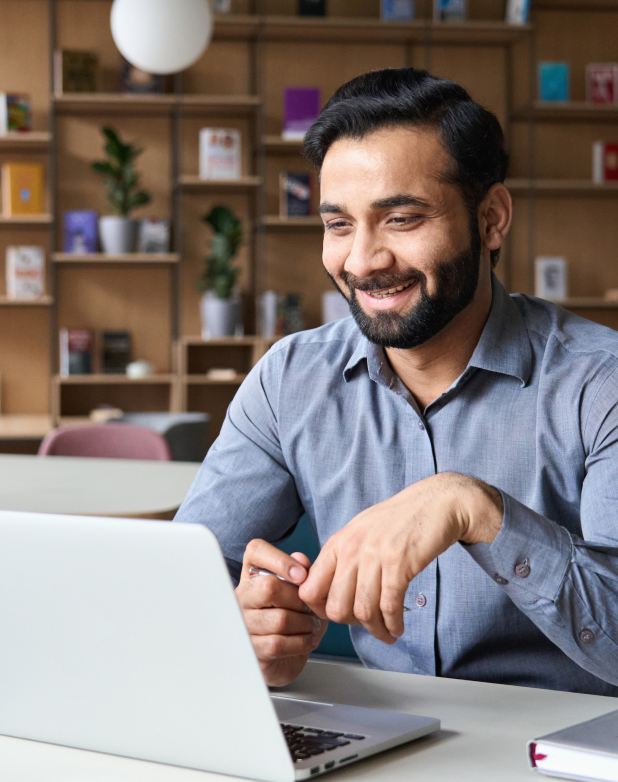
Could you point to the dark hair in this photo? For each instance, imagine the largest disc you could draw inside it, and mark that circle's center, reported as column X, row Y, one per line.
column 471, row 135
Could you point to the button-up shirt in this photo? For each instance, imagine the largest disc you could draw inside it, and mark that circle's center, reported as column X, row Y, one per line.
column 323, row 426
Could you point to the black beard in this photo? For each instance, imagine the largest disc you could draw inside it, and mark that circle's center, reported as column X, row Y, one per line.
column 456, row 283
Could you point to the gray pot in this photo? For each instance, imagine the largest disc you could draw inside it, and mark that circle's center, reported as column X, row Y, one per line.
column 220, row 317
column 118, row 235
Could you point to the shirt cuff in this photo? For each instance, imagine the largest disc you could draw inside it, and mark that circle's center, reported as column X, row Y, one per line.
column 529, row 556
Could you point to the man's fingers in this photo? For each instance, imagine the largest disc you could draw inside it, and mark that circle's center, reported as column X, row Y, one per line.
column 367, row 600
column 314, row 591
column 391, row 603
column 281, row 621
column 261, row 554
column 269, row 592
column 276, row 647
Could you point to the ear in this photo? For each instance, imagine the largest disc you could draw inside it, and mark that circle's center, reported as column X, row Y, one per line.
column 495, row 214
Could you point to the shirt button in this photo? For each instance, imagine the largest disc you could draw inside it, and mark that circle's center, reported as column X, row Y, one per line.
column 421, row 427
column 421, row 601
column 499, row 579
column 586, row 636
column 523, row 570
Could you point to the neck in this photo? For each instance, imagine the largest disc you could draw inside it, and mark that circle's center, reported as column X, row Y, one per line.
column 429, row 369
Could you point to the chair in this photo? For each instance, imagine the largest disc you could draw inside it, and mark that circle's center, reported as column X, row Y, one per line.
column 186, row 433
column 112, row 441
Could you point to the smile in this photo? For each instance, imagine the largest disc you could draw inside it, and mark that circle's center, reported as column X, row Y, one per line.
column 390, row 292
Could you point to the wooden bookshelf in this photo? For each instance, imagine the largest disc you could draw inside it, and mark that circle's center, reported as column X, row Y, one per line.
column 123, row 103
column 22, row 142
column 41, row 301
column 278, row 145
column 562, row 188
column 311, row 223
column 588, row 303
column 104, row 379
column 26, row 221
column 127, row 258
column 24, row 427
column 192, row 183
column 571, row 111
column 205, row 380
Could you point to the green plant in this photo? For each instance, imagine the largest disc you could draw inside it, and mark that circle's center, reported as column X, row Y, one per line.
column 119, row 174
column 220, row 275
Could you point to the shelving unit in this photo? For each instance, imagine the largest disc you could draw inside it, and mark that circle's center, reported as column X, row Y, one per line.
column 127, row 258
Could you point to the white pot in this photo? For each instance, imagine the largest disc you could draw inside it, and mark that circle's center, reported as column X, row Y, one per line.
column 220, row 317
column 118, row 235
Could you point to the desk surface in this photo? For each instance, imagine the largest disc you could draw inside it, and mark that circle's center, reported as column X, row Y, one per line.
column 484, row 732
column 94, row 487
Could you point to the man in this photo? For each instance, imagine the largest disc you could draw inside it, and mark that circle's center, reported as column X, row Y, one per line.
column 455, row 448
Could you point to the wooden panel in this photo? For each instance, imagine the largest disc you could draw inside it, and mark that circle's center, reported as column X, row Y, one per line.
column 223, row 69
column 607, row 318
column 478, row 9
column 80, row 400
column 24, row 360
column 565, row 149
column 129, row 298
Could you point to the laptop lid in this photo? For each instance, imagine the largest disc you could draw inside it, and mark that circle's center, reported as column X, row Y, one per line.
column 125, row 636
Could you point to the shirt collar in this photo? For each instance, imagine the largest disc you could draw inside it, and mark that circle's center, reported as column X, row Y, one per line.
column 504, row 345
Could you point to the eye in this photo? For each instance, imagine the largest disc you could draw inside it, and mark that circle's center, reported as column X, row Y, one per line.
column 405, row 219
column 333, row 224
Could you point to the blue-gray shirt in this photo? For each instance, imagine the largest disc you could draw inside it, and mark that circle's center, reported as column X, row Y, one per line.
column 322, row 425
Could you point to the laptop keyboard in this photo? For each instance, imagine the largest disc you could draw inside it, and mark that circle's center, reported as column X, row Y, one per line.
column 306, row 742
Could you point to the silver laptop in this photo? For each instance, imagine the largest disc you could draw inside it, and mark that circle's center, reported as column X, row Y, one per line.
column 125, row 636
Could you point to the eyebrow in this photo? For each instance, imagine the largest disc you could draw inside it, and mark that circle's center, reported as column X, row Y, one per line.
column 402, row 199
column 330, row 209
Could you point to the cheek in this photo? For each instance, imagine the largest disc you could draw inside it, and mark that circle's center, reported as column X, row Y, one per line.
column 334, row 255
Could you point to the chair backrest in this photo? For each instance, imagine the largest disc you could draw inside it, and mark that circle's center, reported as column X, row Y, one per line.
column 113, row 441
column 186, row 433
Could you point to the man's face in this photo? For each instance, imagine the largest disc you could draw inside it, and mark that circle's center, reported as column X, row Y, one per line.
column 398, row 242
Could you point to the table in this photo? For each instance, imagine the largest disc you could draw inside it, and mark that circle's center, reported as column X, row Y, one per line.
column 483, row 738
column 94, row 487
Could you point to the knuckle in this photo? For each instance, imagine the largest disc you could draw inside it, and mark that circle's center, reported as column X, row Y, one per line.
column 272, row 648
column 335, row 613
column 267, row 589
column 363, row 612
column 279, row 622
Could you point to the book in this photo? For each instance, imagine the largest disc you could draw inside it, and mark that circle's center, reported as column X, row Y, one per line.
column 15, row 113
column 76, row 351
column 517, row 11
column 154, row 236
column 550, row 278
column 604, row 162
column 450, row 10
column 115, row 352
column 554, row 78
column 397, row 10
column 602, row 82
column 22, row 189
column 80, row 231
column 301, row 107
column 294, row 194
column 135, row 80
column 588, row 750
column 25, row 272
column 75, row 71
column 220, row 153
column 312, row 7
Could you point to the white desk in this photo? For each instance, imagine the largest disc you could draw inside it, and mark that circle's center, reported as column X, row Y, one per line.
column 94, row 487
column 485, row 729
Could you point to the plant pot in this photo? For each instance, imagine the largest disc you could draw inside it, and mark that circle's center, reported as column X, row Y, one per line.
column 118, row 235
column 220, row 317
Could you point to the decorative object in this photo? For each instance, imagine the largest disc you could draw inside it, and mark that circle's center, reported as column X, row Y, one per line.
column 154, row 236
column 80, row 231
column 294, row 194
column 550, row 278
column 220, row 305
column 397, row 10
column 15, row 113
column 222, row 6
column 219, row 153
column 450, row 10
column 119, row 233
column 161, row 36
column 604, row 162
column 301, row 106
column 602, row 82
column 554, row 80
column 25, row 272
column 517, row 11
column 139, row 368
column 136, row 81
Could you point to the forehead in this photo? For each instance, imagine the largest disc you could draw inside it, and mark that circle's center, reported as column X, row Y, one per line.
column 400, row 159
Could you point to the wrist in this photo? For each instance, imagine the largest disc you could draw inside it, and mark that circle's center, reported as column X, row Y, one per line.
column 483, row 512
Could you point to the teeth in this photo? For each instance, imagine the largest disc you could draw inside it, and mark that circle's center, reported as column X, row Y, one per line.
column 389, row 292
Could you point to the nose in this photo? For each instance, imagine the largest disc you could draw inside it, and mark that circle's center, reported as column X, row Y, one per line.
column 367, row 254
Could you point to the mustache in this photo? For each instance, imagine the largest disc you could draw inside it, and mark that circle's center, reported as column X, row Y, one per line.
column 381, row 281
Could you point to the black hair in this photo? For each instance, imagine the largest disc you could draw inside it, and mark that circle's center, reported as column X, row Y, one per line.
column 470, row 134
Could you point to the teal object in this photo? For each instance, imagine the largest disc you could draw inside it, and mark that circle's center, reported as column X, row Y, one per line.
column 554, row 78
column 336, row 641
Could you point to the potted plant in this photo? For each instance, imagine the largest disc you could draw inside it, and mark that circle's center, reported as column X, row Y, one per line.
column 220, row 305
column 118, row 233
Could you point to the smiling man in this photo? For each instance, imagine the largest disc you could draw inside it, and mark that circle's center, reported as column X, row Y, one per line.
column 454, row 447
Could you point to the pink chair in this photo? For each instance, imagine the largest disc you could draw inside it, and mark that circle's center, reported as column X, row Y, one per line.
column 112, row 441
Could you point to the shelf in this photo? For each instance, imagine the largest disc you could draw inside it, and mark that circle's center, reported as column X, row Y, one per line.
column 249, row 339
column 26, row 220
column 571, row 111
column 24, row 427
column 278, row 145
column 293, row 223
column 194, row 183
column 42, row 301
column 576, row 5
column 219, row 104
column 28, row 140
column 135, row 103
column 587, row 303
column 204, row 380
column 562, row 188
column 128, row 258
column 107, row 380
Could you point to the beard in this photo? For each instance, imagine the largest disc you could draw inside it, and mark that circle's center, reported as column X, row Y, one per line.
column 456, row 283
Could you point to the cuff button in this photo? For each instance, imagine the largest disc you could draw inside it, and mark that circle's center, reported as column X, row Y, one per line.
column 523, row 570
column 586, row 636
column 499, row 579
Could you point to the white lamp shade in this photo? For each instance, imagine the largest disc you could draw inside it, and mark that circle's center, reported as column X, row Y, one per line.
column 161, row 36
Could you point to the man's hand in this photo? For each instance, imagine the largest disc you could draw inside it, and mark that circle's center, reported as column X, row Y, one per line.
column 282, row 628
column 363, row 571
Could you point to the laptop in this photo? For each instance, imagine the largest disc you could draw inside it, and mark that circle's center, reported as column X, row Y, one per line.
column 124, row 636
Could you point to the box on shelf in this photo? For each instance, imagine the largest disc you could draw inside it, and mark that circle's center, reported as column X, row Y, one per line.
column 15, row 113
column 76, row 352
column 115, row 352
column 294, row 194
column 135, row 80
column 222, row 6
column 554, row 81
column 25, row 272
column 75, row 71
column 334, row 307
column 602, row 82
column 517, row 11
column 604, row 162
column 301, row 107
column 220, row 155
column 154, row 236
column 450, row 10
column 22, row 189
column 312, row 7
column 397, row 10
column 80, row 231
column 282, row 314
column 550, row 278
